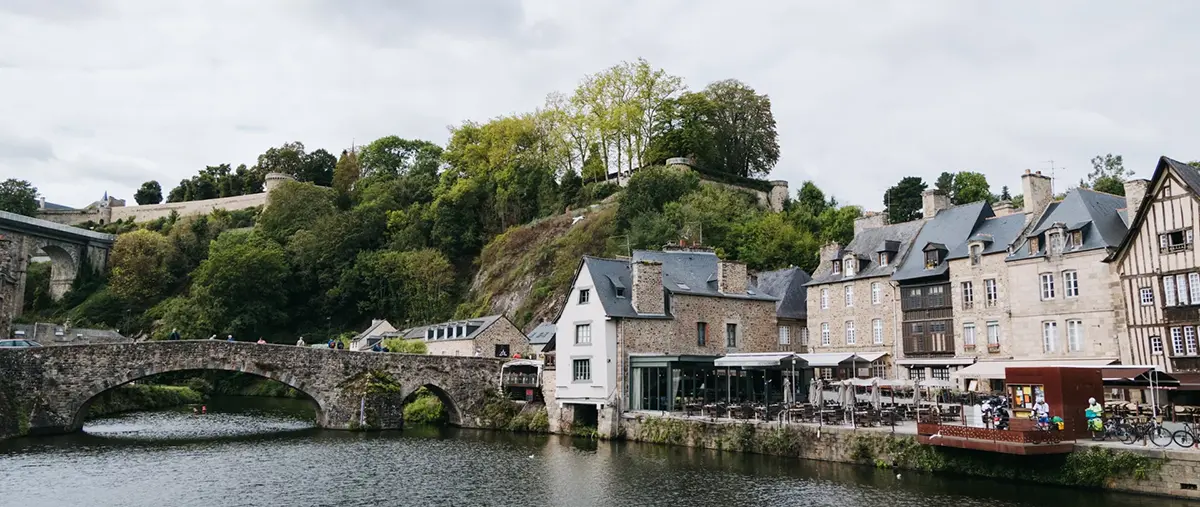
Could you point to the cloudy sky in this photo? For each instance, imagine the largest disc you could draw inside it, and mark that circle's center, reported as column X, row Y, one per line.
column 103, row 95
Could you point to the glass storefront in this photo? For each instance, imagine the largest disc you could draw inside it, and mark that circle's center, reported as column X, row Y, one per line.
column 668, row 384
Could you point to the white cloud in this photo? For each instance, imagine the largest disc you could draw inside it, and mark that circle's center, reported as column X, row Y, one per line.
column 100, row 96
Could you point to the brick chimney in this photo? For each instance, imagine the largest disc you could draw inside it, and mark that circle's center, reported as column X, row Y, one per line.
column 1135, row 193
column 932, row 202
column 647, row 287
column 731, row 277
column 869, row 220
column 1037, row 191
column 1003, row 208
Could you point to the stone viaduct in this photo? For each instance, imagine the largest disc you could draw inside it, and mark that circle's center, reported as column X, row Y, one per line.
column 49, row 389
column 69, row 248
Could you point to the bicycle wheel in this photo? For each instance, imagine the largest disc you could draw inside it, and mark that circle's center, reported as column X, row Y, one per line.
column 1160, row 436
column 1129, row 435
column 1184, row 438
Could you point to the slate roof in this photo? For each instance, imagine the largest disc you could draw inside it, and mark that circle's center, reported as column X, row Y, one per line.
column 788, row 286
column 692, row 273
column 55, row 207
column 1097, row 214
column 895, row 236
column 1190, row 177
column 995, row 232
column 542, row 334
column 949, row 228
column 684, row 272
column 418, row 332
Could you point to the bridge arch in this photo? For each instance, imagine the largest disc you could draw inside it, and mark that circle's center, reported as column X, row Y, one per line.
column 63, row 269
column 80, row 405
column 453, row 414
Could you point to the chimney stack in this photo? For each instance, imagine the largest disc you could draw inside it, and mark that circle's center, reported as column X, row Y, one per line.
column 1002, row 208
column 869, row 220
column 932, row 202
column 731, row 277
column 1037, row 191
column 647, row 287
column 1135, row 193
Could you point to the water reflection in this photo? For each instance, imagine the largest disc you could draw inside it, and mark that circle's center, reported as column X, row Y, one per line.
column 271, row 455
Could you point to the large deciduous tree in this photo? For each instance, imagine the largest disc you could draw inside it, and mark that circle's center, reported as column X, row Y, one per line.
column 140, row 272
column 18, row 196
column 395, row 156
column 241, row 287
column 149, row 193
column 743, row 129
column 294, row 206
column 971, row 187
column 902, row 202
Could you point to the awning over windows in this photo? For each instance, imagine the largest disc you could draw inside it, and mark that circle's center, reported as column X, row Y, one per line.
column 759, row 360
column 832, row 359
column 995, row 369
column 1137, row 376
column 871, row 356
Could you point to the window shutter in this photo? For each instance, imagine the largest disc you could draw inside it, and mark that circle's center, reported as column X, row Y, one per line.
column 1162, row 241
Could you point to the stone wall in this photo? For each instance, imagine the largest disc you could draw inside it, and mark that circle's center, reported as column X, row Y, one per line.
column 647, row 288
column 990, row 267
column 53, row 386
column 1099, row 305
column 863, row 314
column 146, row 212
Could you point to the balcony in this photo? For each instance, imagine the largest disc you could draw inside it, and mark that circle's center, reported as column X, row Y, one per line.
column 936, row 344
column 520, row 380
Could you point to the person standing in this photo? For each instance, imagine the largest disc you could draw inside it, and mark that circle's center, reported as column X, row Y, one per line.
column 174, row 334
column 261, row 341
column 230, row 339
column 1041, row 410
column 300, row 342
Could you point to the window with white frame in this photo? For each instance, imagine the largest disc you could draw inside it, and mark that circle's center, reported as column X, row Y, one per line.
column 785, row 336
column 993, row 334
column 582, row 370
column 1177, row 341
column 585, row 295
column 850, row 266
column 1070, row 284
column 1047, row 285
column 1169, row 290
column 883, row 258
column 991, row 293
column 583, row 334
column 837, row 267
column 825, row 340
column 826, row 373
column 849, row 289
column 850, row 339
column 1181, row 287
column 876, row 293
column 1189, row 340
column 1074, row 335
column 824, row 299
column 916, row 373
column 1049, row 336
column 941, row 372
column 1194, row 285
column 1056, row 241
column 877, row 331
column 804, row 336
column 968, row 295
column 731, row 335
column 969, row 335
column 1146, row 294
column 1156, row 345
column 1175, row 241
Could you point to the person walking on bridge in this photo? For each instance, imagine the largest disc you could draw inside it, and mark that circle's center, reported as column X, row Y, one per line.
column 230, row 339
column 261, row 341
column 174, row 334
column 300, row 342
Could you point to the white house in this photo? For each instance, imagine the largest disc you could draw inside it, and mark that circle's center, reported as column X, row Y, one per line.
column 586, row 343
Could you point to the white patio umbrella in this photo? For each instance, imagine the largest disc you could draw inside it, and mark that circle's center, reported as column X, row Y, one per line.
column 814, row 392
column 917, row 400
column 875, row 401
column 848, row 399
column 787, row 390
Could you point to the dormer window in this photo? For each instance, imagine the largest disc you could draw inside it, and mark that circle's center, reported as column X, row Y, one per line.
column 883, row 258
column 850, row 266
column 620, row 292
column 1075, row 240
column 837, row 267
column 1055, row 239
column 931, row 259
column 1033, row 246
column 976, row 253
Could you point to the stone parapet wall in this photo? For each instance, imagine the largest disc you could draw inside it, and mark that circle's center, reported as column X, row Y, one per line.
column 147, row 212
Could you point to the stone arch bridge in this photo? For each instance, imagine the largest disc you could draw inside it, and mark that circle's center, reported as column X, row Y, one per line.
column 49, row 389
column 69, row 249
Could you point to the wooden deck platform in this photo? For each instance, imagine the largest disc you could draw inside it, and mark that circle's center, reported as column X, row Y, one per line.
column 1021, row 442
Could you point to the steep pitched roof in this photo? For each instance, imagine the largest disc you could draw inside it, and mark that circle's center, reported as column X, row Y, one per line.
column 948, row 229
column 606, row 273
column 995, row 232
column 895, row 237
column 788, row 286
column 1186, row 173
column 693, row 273
column 1095, row 213
column 480, row 325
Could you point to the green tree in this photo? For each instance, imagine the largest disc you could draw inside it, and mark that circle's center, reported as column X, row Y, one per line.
column 1108, row 175
column 571, row 187
column 345, row 174
column 139, row 267
column 241, row 286
column 903, row 201
column 743, row 129
column 294, row 206
column 318, row 168
column 837, row 224
column 652, row 188
column 810, row 198
column 411, row 287
column 392, row 155
column 971, row 187
column 768, row 241
column 1004, row 194
column 149, row 193
column 18, row 196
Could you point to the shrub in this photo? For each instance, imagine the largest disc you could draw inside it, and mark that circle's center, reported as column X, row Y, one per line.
column 425, row 408
column 403, row 346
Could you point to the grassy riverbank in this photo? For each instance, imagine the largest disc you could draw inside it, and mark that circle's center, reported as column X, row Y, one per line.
column 135, row 397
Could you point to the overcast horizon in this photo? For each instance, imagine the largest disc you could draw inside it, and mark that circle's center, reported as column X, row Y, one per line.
column 102, row 96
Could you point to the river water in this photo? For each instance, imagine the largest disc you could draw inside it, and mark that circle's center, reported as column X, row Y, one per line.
column 260, row 452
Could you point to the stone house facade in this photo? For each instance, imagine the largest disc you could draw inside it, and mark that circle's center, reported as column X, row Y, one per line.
column 491, row 336
column 979, row 289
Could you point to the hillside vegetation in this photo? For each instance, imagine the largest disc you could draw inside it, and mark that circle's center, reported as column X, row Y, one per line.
column 416, row 233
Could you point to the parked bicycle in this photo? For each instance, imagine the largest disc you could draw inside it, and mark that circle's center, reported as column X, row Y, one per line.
column 1152, row 430
column 1187, row 436
column 1115, row 428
